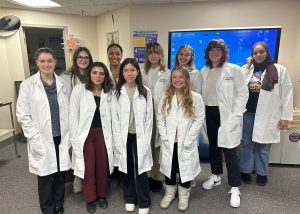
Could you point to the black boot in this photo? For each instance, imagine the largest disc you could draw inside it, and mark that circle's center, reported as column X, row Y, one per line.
column 102, row 203
column 91, row 207
column 246, row 177
column 155, row 185
column 261, row 180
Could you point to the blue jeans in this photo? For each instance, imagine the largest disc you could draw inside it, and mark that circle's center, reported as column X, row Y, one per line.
column 253, row 156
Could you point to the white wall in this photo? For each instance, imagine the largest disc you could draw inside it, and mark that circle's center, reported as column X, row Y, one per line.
column 219, row 14
column 12, row 68
column 121, row 24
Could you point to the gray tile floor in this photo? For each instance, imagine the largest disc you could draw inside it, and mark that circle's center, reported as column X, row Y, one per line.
column 18, row 190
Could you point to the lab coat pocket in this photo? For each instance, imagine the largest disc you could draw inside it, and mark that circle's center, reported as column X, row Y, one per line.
column 233, row 124
column 187, row 161
column 229, row 139
column 164, row 154
column 36, row 148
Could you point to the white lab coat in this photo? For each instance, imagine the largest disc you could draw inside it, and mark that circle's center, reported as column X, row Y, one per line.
column 143, row 114
column 272, row 106
column 187, row 133
column 161, row 83
column 111, row 76
column 232, row 93
column 82, row 110
column 33, row 114
column 196, row 80
column 70, row 83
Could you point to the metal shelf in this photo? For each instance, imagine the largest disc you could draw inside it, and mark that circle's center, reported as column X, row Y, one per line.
column 12, row 130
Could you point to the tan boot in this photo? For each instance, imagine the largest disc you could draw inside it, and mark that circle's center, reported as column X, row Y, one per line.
column 184, row 195
column 170, row 191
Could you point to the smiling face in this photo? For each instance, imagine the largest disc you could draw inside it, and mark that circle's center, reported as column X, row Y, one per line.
column 178, row 79
column 259, row 53
column 97, row 76
column 114, row 56
column 83, row 60
column 184, row 57
column 46, row 63
column 215, row 56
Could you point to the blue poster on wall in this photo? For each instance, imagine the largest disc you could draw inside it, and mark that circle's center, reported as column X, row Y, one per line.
column 140, row 40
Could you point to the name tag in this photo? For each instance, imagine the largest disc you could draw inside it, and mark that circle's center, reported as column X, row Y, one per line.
column 229, row 78
column 163, row 80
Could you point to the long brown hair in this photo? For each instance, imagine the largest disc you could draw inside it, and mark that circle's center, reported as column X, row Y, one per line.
column 142, row 90
column 187, row 102
column 190, row 65
column 74, row 69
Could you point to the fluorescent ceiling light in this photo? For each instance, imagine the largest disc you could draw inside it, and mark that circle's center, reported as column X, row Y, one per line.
column 36, row 3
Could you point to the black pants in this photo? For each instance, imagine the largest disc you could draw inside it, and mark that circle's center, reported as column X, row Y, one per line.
column 215, row 152
column 136, row 187
column 175, row 170
column 51, row 187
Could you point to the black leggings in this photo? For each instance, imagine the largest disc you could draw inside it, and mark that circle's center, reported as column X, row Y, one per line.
column 215, row 152
column 175, row 170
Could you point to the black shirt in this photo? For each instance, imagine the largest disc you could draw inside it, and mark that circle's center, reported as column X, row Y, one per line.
column 96, row 123
column 254, row 86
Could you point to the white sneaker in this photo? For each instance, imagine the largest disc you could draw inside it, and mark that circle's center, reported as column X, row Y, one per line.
column 193, row 183
column 129, row 207
column 213, row 180
column 235, row 200
column 143, row 210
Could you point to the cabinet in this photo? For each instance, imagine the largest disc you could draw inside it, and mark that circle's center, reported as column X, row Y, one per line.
column 288, row 150
column 12, row 130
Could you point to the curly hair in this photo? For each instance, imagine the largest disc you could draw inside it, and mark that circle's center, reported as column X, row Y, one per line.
column 187, row 102
column 142, row 90
column 107, row 84
column 216, row 43
column 190, row 65
column 154, row 47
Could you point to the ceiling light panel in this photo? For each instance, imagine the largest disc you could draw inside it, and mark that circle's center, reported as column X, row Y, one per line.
column 36, row 3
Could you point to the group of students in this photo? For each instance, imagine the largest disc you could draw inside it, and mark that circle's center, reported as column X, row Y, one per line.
column 146, row 123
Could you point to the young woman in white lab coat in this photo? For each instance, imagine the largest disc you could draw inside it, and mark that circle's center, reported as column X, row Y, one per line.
column 75, row 75
column 225, row 94
column 156, row 77
column 91, row 134
column 269, row 107
column 114, row 55
column 185, row 57
column 42, row 111
column 180, row 116
column 132, row 114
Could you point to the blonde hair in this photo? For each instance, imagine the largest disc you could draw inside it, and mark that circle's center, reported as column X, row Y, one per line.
column 154, row 47
column 190, row 64
column 187, row 102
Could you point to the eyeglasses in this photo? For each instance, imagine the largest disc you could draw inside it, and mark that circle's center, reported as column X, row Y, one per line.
column 86, row 58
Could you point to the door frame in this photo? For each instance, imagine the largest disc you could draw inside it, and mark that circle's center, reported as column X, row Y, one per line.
column 24, row 45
